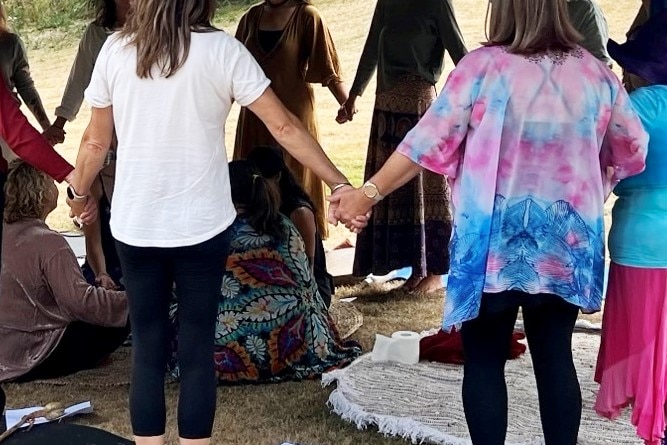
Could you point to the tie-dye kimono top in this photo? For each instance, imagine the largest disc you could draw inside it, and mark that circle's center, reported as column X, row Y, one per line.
column 546, row 139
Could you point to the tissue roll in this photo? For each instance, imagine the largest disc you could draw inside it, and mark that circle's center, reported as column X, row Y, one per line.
column 404, row 347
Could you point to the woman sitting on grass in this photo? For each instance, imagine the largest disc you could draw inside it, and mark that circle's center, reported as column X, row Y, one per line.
column 299, row 208
column 52, row 322
column 272, row 322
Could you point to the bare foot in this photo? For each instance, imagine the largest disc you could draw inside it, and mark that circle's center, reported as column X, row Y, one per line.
column 412, row 283
column 432, row 283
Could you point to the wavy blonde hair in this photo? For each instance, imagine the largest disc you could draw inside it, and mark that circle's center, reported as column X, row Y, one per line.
column 25, row 192
column 531, row 26
column 161, row 31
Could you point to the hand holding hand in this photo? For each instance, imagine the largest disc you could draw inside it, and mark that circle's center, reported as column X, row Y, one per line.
column 90, row 211
column 341, row 118
column 54, row 135
column 351, row 207
column 105, row 281
column 84, row 210
column 333, row 204
column 348, row 109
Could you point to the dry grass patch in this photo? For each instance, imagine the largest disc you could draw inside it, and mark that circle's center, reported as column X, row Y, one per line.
column 269, row 414
column 263, row 414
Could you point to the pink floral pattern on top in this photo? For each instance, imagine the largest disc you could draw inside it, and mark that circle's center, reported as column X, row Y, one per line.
column 532, row 147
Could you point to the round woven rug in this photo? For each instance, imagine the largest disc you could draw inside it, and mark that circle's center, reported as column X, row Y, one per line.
column 346, row 318
column 423, row 402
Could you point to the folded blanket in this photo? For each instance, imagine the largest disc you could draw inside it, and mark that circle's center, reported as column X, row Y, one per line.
column 447, row 347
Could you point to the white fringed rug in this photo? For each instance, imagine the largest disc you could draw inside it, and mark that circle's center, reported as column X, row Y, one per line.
column 422, row 402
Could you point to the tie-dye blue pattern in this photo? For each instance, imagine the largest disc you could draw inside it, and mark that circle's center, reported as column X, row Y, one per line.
column 536, row 248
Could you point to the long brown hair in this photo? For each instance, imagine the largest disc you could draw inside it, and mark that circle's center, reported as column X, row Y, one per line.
column 161, row 31
column 256, row 197
column 531, row 26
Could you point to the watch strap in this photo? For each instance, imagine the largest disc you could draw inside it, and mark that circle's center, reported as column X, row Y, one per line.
column 71, row 194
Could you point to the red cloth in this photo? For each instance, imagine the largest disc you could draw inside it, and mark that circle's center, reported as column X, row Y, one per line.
column 447, row 347
column 25, row 141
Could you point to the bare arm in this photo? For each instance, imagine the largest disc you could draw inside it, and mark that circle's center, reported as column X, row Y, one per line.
column 290, row 133
column 396, row 172
column 339, row 92
column 93, row 236
column 304, row 220
column 93, row 149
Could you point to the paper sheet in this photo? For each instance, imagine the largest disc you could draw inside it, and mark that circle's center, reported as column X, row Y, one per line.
column 14, row 415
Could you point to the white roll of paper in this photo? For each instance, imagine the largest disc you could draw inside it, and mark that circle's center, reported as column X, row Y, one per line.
column 402, row 347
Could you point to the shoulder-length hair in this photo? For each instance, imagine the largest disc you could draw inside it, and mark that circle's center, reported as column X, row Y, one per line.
column 161, row 31
column 531, row 26
column 25, row 190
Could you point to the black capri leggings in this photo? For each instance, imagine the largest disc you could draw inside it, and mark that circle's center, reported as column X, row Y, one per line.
column 149, row 275
column 549, row 322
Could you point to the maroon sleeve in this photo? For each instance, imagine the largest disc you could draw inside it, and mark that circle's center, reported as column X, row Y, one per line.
column 25, row 141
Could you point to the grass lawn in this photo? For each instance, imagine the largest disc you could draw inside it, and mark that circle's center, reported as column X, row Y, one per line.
column 266, row 415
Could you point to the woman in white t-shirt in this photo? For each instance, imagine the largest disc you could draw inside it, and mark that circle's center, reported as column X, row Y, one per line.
column 167, row 82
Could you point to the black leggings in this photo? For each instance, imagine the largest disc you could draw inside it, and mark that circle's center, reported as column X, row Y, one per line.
column 549, row 323
column 149, row 275
column 83, row 346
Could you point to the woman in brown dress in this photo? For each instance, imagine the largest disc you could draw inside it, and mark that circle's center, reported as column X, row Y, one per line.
column 406, row 45
column 294, row 48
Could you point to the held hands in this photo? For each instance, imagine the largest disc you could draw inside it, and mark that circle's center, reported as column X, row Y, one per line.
column 105, row 281
column 347, row 111
column 54, row 135
column 83, row 208
column 350, row 207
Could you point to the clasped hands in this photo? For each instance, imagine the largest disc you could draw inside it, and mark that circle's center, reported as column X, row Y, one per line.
column 82, row 208
column 347, row 110
column 349, row 206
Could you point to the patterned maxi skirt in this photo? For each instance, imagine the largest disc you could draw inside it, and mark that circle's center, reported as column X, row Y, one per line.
column 411, row 227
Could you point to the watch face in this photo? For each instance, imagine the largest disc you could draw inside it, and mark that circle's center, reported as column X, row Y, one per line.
column 370, row 191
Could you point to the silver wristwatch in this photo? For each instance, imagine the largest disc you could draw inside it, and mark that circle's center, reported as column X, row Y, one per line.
column 371, row 192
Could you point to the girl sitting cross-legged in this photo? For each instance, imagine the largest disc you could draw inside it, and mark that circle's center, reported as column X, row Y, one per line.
column 272, row 322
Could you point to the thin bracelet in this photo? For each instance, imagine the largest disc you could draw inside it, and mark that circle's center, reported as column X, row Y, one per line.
column 339, row 186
